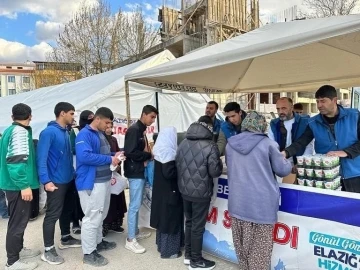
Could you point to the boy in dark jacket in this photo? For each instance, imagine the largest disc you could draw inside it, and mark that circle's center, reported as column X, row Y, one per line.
column 138, row 153
column 198, row 162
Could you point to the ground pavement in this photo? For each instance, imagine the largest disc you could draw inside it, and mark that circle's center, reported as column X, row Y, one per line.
column 119, row 258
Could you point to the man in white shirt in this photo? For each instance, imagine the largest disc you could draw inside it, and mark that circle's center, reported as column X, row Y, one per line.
column 288, row 127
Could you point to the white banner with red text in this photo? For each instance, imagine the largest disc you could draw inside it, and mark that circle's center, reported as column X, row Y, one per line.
column 316, row 229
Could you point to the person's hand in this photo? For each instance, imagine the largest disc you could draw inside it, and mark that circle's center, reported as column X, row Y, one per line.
column 284, row 154
column 115, row 161
column 50, row 187
column 113, row 181
column 337, row 154
column 26, row 195
column 120, row 155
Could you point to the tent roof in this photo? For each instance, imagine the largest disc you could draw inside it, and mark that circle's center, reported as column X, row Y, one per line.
column 292, row 56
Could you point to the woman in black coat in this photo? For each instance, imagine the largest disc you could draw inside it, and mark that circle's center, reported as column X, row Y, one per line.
column 166, row 204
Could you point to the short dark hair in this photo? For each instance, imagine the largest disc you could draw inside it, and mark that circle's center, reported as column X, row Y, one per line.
column 212, row 102
column 104, row 112
column 326, row 91
column 206, row 119
column 298, row 106
column 232, row 106
column 63, row 107
column 21, row 112
column 147, row 109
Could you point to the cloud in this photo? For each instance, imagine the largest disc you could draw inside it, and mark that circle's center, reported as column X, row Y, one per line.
column 47, row 31
column 20, row 53
column 147, row 6
column 132, row 6
column 45, row 8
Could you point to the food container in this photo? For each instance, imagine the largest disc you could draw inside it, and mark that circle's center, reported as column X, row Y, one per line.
column 319, row 173
column 309, row 173
column 327, row 162
column 300, row 160
column 308, row 161
column 310, row 183
column 317, row 161
column 301, row 182
column 330, row 185
column 319, row 184
column 329, row 174
column 301, row 171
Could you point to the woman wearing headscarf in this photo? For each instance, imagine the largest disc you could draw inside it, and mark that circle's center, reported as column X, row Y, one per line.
column 166, row 205
column 114, row 219
column 86, row 118
column 252, row 162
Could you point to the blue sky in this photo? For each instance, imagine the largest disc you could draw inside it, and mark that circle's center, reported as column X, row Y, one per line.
column 27, row 26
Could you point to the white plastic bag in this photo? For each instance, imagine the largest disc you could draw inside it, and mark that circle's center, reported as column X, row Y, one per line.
column 120, row 185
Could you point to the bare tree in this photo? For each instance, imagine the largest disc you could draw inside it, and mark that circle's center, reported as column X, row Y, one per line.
column 98, row 39
column 327, row 8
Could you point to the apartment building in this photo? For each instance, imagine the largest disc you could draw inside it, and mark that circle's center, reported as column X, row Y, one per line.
column 16, row 78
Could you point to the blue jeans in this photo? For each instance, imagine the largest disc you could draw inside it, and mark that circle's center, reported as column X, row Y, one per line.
column 136, row 187
column 3, row 206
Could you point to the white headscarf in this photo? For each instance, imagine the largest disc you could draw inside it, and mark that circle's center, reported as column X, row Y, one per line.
column 166, row 144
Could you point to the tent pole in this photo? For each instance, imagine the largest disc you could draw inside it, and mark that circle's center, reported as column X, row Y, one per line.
column 127, row 98
column 157, row 107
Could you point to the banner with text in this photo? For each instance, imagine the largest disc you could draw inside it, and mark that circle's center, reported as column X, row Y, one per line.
column 316, row 229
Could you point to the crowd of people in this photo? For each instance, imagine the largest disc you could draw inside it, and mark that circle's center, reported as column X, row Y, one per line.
column 73, row 166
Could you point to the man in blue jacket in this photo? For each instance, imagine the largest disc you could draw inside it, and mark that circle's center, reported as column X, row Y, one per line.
column 288, row 127
column 56, row 173
column 337, row 133
column 232, row 124
column 93, row 176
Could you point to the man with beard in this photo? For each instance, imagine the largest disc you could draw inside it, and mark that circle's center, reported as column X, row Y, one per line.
column 211, row 111
column 288, row 127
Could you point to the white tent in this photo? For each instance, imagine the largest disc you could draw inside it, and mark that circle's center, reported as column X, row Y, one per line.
column 291, row 56
column 107, row 89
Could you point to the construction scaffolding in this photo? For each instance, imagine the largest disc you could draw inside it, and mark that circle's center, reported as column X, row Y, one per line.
column 206, row 22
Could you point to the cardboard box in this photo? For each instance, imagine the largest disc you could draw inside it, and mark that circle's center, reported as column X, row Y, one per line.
column 290, row 179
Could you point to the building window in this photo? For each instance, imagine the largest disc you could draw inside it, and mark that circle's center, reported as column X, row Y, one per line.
column 26, row 79
column 26, row 90
column 12, row 92
column 19, row 67
column 346, row 96
column 11, row 79
column 9, row 67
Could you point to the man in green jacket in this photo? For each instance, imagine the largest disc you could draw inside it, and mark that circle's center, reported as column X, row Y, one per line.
column 18, row 176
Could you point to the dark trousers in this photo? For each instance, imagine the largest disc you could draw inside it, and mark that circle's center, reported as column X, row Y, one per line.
column 19, row 211
column 351, row 184
column 195, row 215
column 59, row 207
column 35, row 203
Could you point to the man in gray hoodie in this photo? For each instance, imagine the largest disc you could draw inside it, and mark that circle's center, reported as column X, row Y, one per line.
column 252, row 160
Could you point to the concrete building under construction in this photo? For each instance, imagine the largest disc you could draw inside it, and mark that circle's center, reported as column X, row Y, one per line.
column 187, row 25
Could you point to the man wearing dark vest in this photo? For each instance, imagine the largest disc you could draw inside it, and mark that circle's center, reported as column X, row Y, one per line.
column 336, row 131
column 288, row 127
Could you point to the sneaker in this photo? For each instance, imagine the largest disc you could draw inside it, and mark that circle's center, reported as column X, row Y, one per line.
column 105, row 245
column 187, row 260
column 76, row 230
column 143, row 235
column 117, row 230
column 26, row 253
column 95, row 259
column 202, row 264
column 134, row 246
column 69, row 242
column 22, row 266
column 52, row 257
